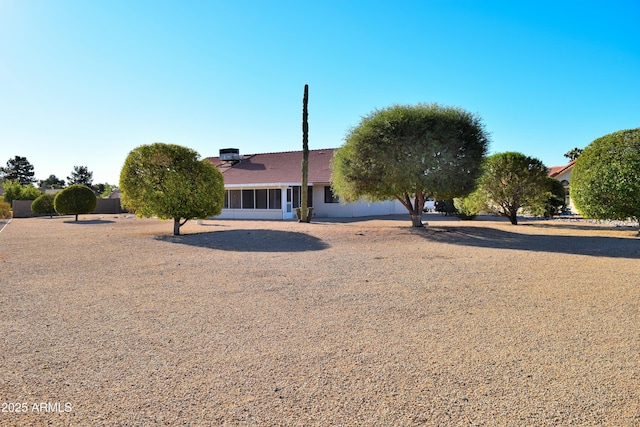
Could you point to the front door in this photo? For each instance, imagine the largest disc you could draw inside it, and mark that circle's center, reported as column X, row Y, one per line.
column 287, row 211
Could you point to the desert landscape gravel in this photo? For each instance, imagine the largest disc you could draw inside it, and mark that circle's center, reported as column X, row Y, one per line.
column 112, row 321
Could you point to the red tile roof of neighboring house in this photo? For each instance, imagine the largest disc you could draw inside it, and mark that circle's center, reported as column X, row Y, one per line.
column 558, row 170
column 276, row 168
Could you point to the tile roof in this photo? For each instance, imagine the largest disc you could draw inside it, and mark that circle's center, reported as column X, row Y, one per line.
column 276, row 168
column 558, row 170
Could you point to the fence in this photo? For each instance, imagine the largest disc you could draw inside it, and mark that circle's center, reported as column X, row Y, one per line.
column 22, row 208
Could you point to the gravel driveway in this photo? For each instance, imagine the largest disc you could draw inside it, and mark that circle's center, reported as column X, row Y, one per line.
column 112, row 321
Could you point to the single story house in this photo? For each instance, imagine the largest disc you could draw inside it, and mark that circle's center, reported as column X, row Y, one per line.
column 269, row 185
column 563, row 174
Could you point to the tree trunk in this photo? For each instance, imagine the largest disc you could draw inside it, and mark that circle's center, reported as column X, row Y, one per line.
column 416, row 220
column 414, row 208
column 305, row 157
column 176, row 226
column 513, row 217
column 76, row 217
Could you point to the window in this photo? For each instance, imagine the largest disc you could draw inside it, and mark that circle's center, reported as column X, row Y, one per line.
column 234, row 199
column 253, row 199
column 261, row 199
column 247, row 199
column 297, row 196
column 275, row 198
column 329, row 197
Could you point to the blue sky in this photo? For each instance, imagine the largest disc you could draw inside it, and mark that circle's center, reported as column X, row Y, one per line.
column 82, row 83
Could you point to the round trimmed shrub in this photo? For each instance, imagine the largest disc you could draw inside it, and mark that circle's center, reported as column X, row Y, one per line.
column 43, row 205
column 74, row 200
column 605, row 180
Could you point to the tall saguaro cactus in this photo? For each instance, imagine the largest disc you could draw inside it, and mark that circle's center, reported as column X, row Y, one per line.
column 304, row 214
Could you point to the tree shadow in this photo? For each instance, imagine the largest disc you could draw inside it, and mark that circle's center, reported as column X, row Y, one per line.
column 250, row 240
column 485, row 237
column 581, row 226
column 89, row 221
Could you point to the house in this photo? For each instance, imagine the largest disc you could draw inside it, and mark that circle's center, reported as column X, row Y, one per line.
column 563, row 174
column 269, row 185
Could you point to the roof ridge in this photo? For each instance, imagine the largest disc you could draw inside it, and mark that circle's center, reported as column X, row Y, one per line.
column 290, row 151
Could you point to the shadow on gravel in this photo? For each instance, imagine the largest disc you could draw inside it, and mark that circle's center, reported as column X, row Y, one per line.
column 580, row 226
column 250, row 241
column 89, row 221
column 484, row 237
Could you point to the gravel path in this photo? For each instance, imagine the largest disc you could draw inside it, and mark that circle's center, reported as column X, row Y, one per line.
column 112, row 321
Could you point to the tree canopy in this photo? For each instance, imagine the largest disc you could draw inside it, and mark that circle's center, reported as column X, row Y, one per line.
column 74, row 200
column 511, row 181
column 51, row 182
column 81, row 175
column 573, row 154
column 170, row 182
column 13, row 190
column 18, row 169
column 44, row 205
column 605, row 180
column 409, row 153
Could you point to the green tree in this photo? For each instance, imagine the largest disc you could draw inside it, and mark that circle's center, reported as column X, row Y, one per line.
column 104, row 190
column 170, row 182
column 573, row 154
column 51, row 182
column 13, row 190
column 29, row 192
column 81, row 175
column 43, row 205
column 408, row 153
column 557, row 201
column 74, row 200
column 605, row 180
column 18, row 169
column 511, row 181
column 468, row 207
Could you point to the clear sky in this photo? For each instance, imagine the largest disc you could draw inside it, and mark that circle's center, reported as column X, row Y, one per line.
column 84, row 82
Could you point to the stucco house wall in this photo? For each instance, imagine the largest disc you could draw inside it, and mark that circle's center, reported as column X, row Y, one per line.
column 563, row 174
column 281, row 172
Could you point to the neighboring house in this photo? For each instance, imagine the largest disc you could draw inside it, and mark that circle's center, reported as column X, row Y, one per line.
column 269, row 185
column 563, row 174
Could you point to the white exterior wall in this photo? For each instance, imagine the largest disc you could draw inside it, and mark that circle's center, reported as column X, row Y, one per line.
column 566, row 176
column 250, row 214
column 351, row 210
column 320, row 208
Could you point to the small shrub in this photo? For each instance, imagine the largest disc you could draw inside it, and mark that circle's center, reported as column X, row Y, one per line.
column 445, row 207
column 43, row 205
column 556, row 203
column 5, row 209
column 468, row 207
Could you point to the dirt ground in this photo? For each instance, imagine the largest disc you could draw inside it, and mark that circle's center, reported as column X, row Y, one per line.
column 112, row 321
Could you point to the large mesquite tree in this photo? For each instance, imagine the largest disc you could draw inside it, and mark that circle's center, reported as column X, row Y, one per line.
column 409, row 153
column 170, row 182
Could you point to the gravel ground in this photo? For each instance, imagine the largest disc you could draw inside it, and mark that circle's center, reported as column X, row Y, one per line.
column 112, row 321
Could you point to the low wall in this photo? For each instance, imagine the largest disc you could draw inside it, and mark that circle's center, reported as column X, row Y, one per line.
column 22, row 208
